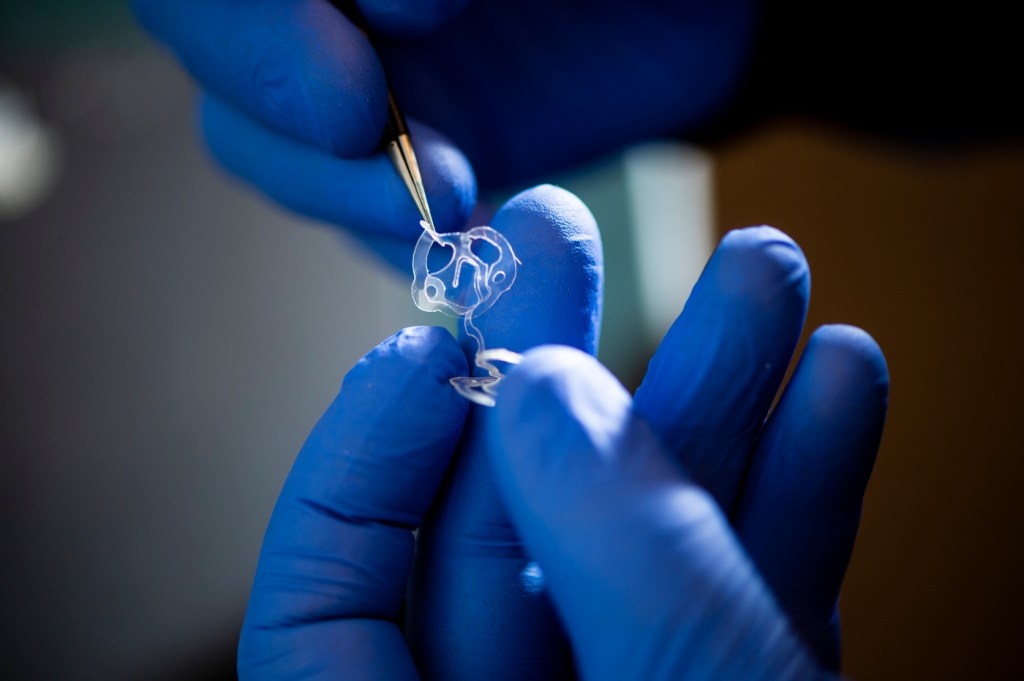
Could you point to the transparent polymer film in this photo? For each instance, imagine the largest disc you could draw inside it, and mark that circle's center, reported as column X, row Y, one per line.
column 463, row 274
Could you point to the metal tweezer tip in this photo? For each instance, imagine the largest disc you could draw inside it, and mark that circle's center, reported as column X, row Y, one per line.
column 404, row 159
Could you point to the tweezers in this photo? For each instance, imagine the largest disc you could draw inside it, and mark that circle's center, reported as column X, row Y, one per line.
column 396, row 140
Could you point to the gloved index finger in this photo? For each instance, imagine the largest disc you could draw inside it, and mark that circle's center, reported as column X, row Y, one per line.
column 300, row 68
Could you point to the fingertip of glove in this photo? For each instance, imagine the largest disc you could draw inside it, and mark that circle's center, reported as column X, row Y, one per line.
column 832, row 415
column 757, row 263
column 552, row 205
column 848, row 361
column 560, row 278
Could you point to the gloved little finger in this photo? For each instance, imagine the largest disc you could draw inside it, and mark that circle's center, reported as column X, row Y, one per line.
column 800, row 506
column 640, row 562
column 335, row 560
column 365, row 195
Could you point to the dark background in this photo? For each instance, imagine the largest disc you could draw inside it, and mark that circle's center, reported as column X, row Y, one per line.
column 924, row 251
column 167, row 339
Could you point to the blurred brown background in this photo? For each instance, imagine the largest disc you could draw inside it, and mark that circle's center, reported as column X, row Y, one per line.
column 924, row 250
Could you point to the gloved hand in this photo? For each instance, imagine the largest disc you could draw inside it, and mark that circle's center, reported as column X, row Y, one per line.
column 336, row 557
column 295, row 96
column 645, row 570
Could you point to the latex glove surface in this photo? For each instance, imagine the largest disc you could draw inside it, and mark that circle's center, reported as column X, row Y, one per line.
column 296, row 101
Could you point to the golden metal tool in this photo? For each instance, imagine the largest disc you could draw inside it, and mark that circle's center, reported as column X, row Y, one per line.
column 396, row 141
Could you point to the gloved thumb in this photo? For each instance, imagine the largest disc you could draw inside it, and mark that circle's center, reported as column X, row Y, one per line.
column 643, row 569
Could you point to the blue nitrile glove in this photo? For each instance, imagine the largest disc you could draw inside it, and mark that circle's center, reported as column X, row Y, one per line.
column 296, row 100
column 335, row 561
